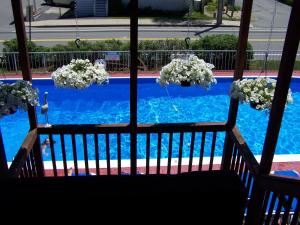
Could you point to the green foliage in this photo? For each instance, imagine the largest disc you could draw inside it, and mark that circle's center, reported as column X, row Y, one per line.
column 12, row 46
column 117, row 8
column 222, row 42
column 211, row 6
column 93, row 51
column 287, row 2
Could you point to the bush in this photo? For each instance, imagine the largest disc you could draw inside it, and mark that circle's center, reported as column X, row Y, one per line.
column 153, row 60
column 222, row 42
column 117, row 8
column 12, row 46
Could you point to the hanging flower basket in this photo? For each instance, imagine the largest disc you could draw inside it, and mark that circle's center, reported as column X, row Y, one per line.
column 17, row 95
column 187, row 72
column 258, row 92
column 80, row 74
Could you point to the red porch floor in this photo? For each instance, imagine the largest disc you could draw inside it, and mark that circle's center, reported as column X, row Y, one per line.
column 114, row 171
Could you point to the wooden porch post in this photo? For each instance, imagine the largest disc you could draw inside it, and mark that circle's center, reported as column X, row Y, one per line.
column 290, row 49
column 285, row 73
column 26, row 72
column 240, row 61
column 133, row 83
column 3, row 160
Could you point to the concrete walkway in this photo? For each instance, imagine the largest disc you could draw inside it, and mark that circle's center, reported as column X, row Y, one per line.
column 112, row 22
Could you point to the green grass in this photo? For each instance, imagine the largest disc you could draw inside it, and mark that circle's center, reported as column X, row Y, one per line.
column 211, row 7
column 197, row 16
column 271, row 65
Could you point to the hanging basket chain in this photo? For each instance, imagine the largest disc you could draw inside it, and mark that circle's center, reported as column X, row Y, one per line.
column 77, row 40
column 265, row 65
column 188, row 39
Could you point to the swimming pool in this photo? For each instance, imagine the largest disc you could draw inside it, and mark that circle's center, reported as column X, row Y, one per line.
column 110, row 104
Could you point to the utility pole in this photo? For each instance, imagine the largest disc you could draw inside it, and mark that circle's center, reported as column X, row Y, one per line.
column 34, row 6
column 220, row 12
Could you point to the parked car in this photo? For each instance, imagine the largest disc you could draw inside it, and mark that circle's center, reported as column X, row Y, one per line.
column 66, row 3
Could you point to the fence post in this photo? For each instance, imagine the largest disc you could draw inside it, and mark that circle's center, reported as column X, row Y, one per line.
column 15, row 63
column 44, row 63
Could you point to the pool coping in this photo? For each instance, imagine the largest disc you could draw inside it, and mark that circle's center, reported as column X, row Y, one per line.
column 154, row 74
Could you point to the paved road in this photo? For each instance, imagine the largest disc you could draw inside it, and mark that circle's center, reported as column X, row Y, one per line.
column 49, row 37
column 6, row 15
column 262, row 13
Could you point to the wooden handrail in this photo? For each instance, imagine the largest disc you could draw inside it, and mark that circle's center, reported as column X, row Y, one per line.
column 83, row 129
column 284, row 185
column 181, row 127
column 124, row 128
column 245, row 151
column 25, row 149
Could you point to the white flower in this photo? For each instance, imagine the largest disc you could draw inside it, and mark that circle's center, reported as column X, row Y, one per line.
column 80, row 74
column 193, row 70
column 259, row 92
column 17, row 95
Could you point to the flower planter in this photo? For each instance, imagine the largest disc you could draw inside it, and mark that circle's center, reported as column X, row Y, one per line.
column 257, row 92
column 15, row 96
column 80, row 74
column 185, row 83
column 187, row 71
column 254, row 104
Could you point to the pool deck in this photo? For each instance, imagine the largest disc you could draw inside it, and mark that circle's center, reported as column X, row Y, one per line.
column 217, row 73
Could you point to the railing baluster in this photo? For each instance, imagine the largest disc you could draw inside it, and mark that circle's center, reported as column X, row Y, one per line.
column 212, row 153
column 249, row 183
column 158, row 153
column 97, row 153
column 235, row 149
column 180, row 153
column 86, row 157
column 74, row 154
column 25, row 170
column 29, row 168
column 22, row 175
column 34, row 171
column 287, row 208
column 63, row 150
column 119, row 153
column 240, row 173
column 107, row 153
column 271, row 208
column 296, row 214
column 265, row 204
column 147, row 153
column 237, row 163
column 245, row 175
column 191, row 151
column 202, row 151
column 170, row 153
column 53, row 155
column 278, row 210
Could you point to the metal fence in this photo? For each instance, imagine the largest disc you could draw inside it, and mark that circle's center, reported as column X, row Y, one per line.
column 45, row 62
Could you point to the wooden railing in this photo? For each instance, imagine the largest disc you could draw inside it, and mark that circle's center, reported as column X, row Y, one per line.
column 281, row 195
column 174, row 138
column 281, row 204
column 243, row 161
column 24, row 164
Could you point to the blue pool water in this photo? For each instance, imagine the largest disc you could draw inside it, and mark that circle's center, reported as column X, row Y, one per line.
column 110, row 104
